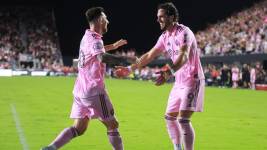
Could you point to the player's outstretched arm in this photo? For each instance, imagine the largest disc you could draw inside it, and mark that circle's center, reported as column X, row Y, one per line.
column 115, row 45
column 139, row 63
column 115, row 59
column 147, row 58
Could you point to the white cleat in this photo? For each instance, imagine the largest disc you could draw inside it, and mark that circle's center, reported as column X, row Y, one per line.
column 48, row 148
column 177, row 147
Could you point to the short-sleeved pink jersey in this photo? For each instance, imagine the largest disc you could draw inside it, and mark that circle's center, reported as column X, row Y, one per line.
column 172, row 42
column 252, row 75
column 91, row 71
column 235, row 74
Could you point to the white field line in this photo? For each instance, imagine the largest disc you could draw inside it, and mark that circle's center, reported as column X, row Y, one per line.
column 19, row 128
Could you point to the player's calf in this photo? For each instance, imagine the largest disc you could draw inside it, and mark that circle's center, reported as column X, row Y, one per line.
column 115, row 139
column 188, row 133
column 174, row 131
column 63, row 138
column 114, row 135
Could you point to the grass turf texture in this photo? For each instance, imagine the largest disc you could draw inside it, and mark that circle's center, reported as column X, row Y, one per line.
column 232, row 120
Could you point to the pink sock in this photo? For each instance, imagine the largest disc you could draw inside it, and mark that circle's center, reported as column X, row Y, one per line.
column 173, row 129
column 115, row 139
column 64, row 137
column 188, row 133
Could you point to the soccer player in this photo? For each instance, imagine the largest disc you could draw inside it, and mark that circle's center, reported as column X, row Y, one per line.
column 235, row 76
column 252, row 77
column 90, row 96
column 187, row 93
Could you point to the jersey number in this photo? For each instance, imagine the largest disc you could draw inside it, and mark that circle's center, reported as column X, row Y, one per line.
column 81, row 59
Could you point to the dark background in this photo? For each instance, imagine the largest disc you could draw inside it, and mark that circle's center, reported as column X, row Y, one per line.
column 134, row 20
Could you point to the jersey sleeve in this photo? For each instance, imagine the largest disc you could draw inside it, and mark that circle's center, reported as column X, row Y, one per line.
column 97, row 47
column 160, row 44
column 188, row 37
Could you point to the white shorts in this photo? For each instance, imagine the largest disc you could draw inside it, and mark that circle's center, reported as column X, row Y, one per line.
column 187, row 98
column 98, row 106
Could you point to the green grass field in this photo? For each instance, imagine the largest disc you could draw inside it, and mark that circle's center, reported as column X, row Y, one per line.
column 232, row 120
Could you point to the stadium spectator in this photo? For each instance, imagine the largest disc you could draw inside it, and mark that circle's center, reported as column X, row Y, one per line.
column 252, row 77
column 245, row 76
column 260, row 74
column 208, row 78
column 235, row 75
column 30, row 35
column 225, row 76
column 215, row 75
column 243, row 32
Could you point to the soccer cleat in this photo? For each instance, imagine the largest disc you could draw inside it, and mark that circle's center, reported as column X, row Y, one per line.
column 177, row 147
column 48, row 148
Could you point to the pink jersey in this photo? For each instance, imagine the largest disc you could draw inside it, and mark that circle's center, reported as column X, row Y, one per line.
column 90, row 79
column 172, row 42
column 252, row 75
column 235, row 74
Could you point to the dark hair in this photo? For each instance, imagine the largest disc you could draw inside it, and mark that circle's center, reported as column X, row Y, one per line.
column 170, row 9
column 93, row 13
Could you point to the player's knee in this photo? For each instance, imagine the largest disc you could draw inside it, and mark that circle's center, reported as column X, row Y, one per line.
column 172, row 114
column 80, row 131
column 170, row 118
column 113, row 125
column 80, row 126
column 183, row 120
column 185, row 114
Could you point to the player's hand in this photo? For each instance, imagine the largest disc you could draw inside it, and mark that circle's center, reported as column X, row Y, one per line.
column 164, row 75
column 160, row 80
column 119, row 43
column 121, row 71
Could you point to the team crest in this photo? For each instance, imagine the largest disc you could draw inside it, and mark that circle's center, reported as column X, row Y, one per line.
column 94, row 35
column 98, row 46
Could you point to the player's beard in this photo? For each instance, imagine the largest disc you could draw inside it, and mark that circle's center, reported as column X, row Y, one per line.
column 104, row 29
column 162, row 26
column 165, row 25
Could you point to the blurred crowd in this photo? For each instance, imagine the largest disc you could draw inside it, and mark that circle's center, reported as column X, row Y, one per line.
column 242, row 33
column 126, row 52
column 28, row 39
column 234, row 76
